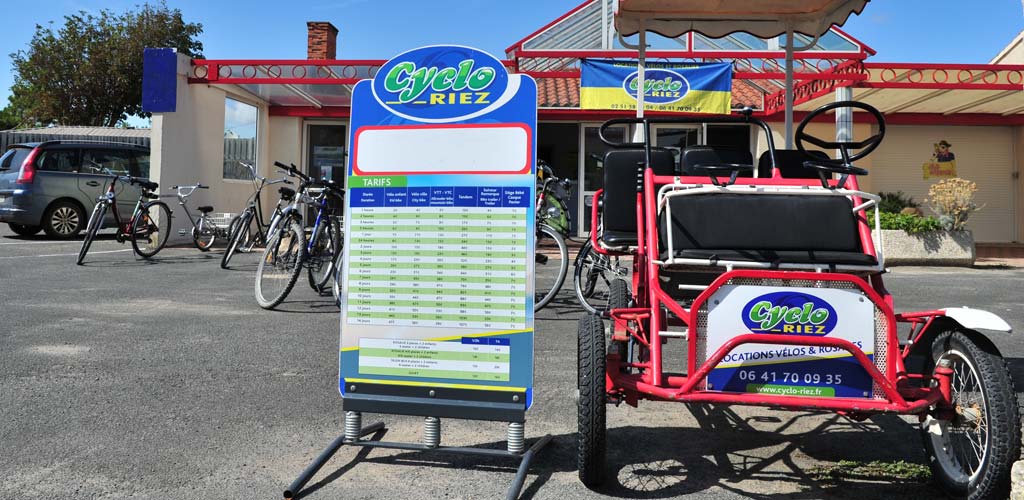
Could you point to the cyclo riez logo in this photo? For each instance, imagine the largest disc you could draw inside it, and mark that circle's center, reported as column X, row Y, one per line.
column 440, row 83
column 789, row 312
column 661, row 86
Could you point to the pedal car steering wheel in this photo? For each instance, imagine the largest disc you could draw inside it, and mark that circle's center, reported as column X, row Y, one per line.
column 842, row 165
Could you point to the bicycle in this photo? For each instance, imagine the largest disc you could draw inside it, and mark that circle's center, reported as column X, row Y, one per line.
column 596, row 278
column 550, row 243
column 204, row 231
column 248, row 229
column 147, row 228
column 288, row 250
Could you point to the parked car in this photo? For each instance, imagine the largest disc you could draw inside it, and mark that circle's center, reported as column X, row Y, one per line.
column 52, row 186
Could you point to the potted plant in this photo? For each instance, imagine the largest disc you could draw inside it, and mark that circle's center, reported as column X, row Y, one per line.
column 910, row 237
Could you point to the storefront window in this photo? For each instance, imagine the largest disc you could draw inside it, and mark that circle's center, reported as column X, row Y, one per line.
column 240, row 120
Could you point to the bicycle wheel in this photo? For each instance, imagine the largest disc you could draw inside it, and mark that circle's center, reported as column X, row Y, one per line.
column 592, row 279
column 320, row 260
column 203, row 238
column 150, row 229
column 239, row 232
column 281, row 264
column 95, row 222
column 552, row 263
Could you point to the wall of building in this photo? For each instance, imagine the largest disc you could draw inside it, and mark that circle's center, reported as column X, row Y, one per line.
column 187, row 147
column 985, row 155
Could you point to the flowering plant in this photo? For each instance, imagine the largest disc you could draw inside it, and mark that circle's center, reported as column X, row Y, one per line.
column 953, row 201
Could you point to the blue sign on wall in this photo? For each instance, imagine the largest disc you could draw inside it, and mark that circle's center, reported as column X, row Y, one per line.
column 439, row 254
column 159, row 80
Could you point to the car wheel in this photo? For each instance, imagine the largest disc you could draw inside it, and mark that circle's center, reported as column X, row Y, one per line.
column 24, row 230
column 63, row 220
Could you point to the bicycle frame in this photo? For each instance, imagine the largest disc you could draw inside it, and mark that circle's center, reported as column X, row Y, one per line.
column 110, row 198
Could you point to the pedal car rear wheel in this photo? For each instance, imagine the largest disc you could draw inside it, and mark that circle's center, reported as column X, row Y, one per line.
column 590, row 437
column 971, row 455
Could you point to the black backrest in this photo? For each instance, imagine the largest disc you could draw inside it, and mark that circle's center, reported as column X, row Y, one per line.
column 760, row 222
column 693, row 156
column 623, row 178
column 790, row 163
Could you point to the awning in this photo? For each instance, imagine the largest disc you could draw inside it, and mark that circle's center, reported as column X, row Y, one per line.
column 718, row 18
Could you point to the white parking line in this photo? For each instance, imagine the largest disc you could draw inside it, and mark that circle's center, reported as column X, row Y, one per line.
column 41, row 242
column 63, row 254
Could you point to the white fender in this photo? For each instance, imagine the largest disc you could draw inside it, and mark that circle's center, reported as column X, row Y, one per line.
column 976, row 318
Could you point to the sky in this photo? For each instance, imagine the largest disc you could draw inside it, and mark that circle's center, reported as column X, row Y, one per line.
column 935, row 31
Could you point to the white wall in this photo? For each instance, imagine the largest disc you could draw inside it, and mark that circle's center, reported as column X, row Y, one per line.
column 187, row 147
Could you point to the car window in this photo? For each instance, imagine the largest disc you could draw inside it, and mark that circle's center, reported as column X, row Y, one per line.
column 98, row 161
column 58, row 160
column 13, row 158
column 141, row 164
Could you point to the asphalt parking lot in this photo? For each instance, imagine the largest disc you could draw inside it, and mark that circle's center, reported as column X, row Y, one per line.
column 162, row 379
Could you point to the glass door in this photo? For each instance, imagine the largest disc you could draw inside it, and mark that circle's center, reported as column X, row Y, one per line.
column 325, row 150
column 591, row 174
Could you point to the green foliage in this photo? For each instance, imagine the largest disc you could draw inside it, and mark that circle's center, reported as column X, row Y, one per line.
column 874, row 470
column 894, row 202
column 910, row 223
column 89, row 71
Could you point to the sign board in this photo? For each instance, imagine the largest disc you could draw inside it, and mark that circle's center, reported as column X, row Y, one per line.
column 437, row 299
column 159, row 80
column 791, row 370
column 673, row 87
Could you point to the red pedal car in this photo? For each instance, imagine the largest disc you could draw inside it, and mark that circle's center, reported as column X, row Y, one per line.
column 774, row 284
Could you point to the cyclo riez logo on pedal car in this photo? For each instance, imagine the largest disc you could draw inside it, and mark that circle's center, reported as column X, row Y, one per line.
column 799, row 370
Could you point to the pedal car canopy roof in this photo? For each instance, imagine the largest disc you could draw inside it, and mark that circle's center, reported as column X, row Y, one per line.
column 718, row 18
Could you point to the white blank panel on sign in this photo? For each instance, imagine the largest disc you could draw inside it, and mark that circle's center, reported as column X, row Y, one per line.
column 442, row 149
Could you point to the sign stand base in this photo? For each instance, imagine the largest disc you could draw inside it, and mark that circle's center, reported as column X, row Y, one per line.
column 431, row 438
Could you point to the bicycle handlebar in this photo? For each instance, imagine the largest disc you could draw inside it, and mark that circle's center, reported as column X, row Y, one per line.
column 292, row 170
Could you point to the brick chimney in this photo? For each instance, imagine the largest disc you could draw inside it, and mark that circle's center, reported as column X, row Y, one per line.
column 321, row 40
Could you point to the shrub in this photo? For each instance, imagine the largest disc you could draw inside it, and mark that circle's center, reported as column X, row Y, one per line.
column 953, row 201
column 894, row 203
column 912, row 224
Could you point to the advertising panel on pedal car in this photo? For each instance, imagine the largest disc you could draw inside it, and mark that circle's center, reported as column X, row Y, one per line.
column 791, row 370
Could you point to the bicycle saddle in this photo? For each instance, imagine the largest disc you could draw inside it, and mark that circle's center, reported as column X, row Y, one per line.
column 205, row 209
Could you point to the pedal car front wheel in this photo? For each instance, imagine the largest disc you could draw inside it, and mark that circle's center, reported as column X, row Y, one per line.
column 590, row 437
column 971, row 454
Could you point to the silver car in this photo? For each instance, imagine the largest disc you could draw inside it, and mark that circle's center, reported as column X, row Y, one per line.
column 52, row 186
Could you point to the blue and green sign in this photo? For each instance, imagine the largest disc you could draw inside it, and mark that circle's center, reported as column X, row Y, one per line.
column 675, row 87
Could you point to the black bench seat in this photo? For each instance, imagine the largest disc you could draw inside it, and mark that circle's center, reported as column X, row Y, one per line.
column 771, row 228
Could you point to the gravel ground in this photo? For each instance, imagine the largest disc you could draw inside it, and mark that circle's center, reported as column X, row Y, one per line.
column 162, row 379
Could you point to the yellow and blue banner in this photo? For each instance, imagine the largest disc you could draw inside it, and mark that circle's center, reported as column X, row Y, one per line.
column 673, row 87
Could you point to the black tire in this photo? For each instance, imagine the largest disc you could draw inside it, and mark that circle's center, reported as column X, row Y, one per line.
column 24, row 230
column 590, row 407
column 547, row 240
column 63, row 220
column 619, row 298
column 320, row 262
column 204, row 239
column 95, row 222
column 239, row 231
column 974, row 363
column 151, row 228
column 279, row 267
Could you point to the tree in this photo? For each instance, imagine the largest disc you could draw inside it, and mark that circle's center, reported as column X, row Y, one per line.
column 89, row 71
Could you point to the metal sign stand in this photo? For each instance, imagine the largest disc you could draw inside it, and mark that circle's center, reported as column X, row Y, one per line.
column 431, row 442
